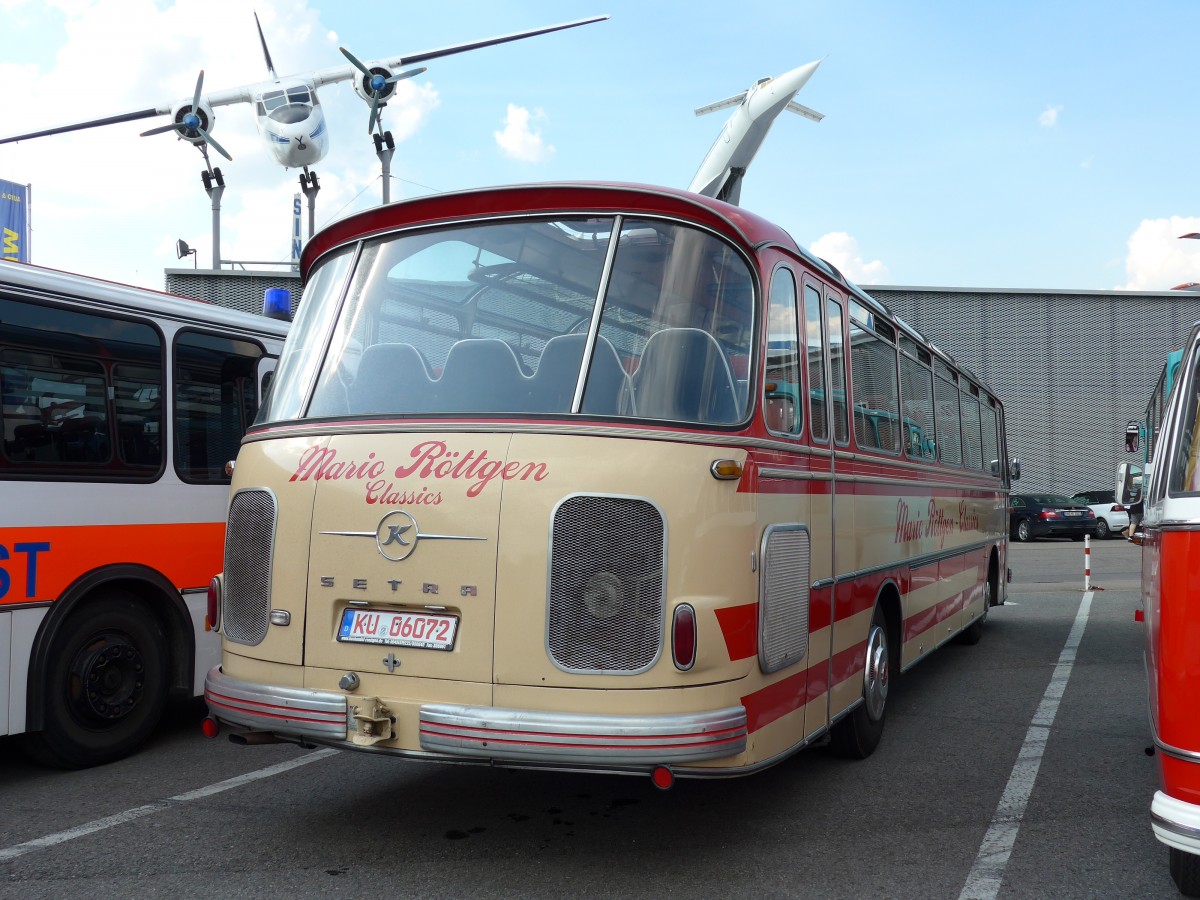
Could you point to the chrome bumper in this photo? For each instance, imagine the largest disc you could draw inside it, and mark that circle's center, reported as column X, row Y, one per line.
column 296, row 712
column 571, row 738
column 450, row 731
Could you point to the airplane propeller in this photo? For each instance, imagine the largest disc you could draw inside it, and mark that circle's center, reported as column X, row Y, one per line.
column 190, row 121
column 378, row 80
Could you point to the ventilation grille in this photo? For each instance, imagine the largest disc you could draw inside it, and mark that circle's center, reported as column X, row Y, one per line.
column 606, row 585
column 246, row 599
column 233, row 289
column 783, row 604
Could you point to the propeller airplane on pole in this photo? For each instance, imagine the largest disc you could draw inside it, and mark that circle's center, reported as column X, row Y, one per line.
column 290, row 119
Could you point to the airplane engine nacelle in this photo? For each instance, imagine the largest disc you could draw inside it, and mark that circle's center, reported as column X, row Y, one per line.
column 364, row 88
column 187, row 121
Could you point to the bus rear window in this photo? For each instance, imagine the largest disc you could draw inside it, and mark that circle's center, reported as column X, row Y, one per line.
column 543, row 317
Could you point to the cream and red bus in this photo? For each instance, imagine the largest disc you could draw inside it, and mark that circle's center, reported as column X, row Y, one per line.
column 120, row 410
column 1168, row 492
column 598, row 477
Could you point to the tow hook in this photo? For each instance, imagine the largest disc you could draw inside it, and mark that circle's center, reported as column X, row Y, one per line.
column 373, row 722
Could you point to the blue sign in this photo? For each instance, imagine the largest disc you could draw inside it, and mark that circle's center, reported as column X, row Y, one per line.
column 14, row 221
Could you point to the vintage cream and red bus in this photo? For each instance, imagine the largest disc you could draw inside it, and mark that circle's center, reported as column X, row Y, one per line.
column 121, row 408
column 598, row 477
column 1169, row 533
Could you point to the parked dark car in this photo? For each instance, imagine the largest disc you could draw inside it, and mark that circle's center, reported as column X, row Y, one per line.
column 1049, row 515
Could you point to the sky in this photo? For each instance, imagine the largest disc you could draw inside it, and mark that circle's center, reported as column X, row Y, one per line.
column 1024, row 145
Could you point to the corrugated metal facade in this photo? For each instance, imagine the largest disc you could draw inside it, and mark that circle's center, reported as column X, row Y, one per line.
column 1071, row 367
column 234, row 288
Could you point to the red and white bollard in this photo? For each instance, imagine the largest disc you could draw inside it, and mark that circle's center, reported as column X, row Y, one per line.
column 1087, row 563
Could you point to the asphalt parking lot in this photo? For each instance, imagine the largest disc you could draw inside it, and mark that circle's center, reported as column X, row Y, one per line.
column 952, row 804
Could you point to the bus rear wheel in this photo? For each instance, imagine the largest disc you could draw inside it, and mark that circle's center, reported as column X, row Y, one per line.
column 105, row 683
column 857, row 735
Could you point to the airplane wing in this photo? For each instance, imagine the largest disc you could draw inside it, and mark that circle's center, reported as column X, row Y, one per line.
column 217, row 98
column 721, row 104
column 245, row 93
column 801, row 110
column 344, row 73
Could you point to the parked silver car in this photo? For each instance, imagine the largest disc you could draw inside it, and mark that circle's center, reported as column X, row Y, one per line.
column 1111, row 516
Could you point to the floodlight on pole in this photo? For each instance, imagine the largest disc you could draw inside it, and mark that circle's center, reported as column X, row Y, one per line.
column 182, row 250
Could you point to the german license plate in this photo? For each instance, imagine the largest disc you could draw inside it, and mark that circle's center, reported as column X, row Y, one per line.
column 1073, row 512
column 428, row 631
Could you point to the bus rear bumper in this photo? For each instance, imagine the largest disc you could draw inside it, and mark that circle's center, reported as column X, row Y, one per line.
column 579, row 739
column 290, row 711
column 1176, row 822
column 454, row 732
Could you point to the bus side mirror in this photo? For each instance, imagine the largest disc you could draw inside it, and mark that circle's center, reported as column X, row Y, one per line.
column 1129, row 484
column 1014, row 469
column 1132, row 437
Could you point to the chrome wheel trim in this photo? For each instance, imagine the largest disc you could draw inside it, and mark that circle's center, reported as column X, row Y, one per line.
column 875, row 687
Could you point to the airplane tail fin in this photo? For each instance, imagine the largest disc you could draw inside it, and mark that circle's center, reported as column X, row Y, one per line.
column 266, row 52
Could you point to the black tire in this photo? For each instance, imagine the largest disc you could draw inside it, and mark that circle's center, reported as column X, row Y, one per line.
column 115, row 645
column 973, row 632
column 1024, row 531
column 1102, row 530
column 1185, row 871
column 857, row 735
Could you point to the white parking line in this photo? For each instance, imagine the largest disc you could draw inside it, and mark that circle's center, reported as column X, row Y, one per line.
column 138, row 812
column 983, row 883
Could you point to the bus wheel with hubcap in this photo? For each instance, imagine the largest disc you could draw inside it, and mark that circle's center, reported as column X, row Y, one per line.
column 857, row 735
column 1185, row 871
column 973, row 632
column 105, row 683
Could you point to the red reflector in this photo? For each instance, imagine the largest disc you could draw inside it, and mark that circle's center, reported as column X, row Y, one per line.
column 1139, row 615
column 212, row 621
column 210, row 726
column 683, row 636
column 663, row 778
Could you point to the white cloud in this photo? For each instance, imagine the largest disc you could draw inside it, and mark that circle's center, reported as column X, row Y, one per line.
column 841, row 250
column 1157, row 259
column 1049, row 117
column 519, row 139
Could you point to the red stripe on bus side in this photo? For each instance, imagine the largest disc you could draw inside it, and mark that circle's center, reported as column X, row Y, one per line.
column 187, row 554
column 789, row 694
column 739, row 627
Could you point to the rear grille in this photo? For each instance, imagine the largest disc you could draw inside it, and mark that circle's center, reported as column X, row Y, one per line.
column 246, row 598
column 783, row 605
column 606, row 608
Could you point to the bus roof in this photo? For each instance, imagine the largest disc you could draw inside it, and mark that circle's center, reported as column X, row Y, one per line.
column 599, row 197
column 116, row 295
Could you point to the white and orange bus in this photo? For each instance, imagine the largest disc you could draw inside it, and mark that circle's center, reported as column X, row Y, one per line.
column 120, row 410
column 598, row 477
column 1168, row 492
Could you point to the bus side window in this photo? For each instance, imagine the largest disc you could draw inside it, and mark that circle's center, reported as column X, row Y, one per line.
column 782, row 387
column 215, row 398
column 814, row 330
